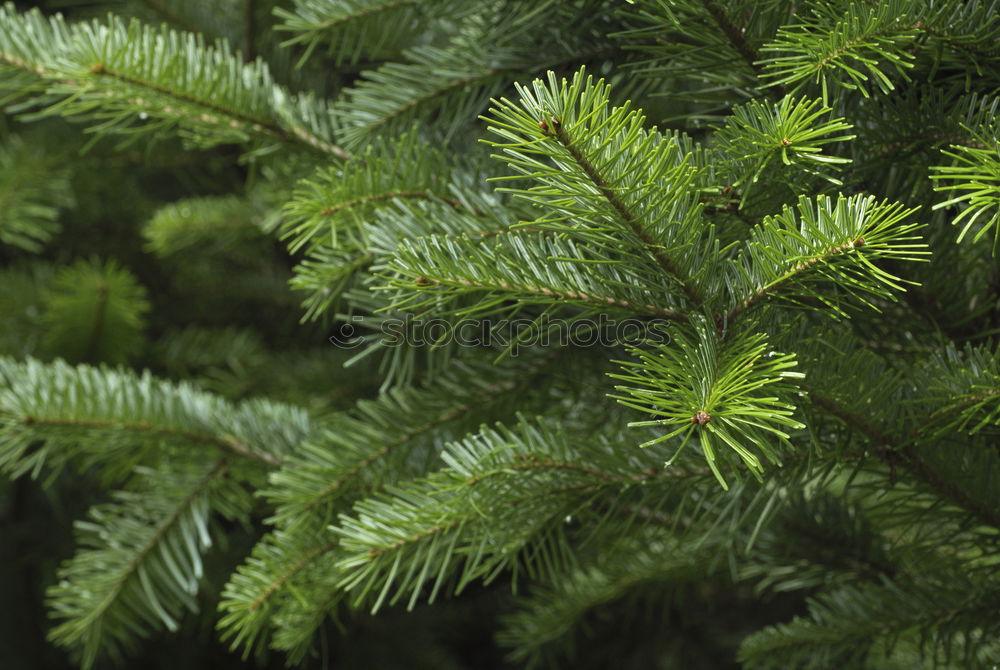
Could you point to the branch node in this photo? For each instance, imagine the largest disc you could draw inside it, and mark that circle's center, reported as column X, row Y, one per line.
column 701, row 418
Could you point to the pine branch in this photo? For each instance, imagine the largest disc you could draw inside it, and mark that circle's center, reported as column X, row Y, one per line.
column 32, row 193
column 699, row 386
column 611, row 170
column 823, row 241
column 547, row 271
column 846, row 48
column 53, row 414
column 542, row 629
column 132, row 79
column 896, row 453
column 628, row 216
column 142, row 563
column 383, row 440
column 95, row 312
column 843, row 626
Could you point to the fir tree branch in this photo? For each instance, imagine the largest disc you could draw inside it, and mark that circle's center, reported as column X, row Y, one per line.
column 844, row 625
column 257, row 124
column 348, row 26
column 707, row 386
column 526, row 463
column 110, row 72
column 627, row 216
column 34, row 188
column 389, row 195
column 52, row 414
column 850, row 47
column 790, row 275
column 485, row 78
column 343, row 198
column 227, row 444
column 548, row 293
column 142, row 560
column 479, row 78
column 363, row 13
column 900, row 452
column 821, row 240
column 306, row 558
column 475, row 400
column 183, row 506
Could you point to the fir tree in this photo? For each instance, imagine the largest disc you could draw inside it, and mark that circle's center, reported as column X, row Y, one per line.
column 787, row 459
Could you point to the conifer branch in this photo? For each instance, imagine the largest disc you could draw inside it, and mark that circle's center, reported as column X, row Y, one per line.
column 135, row 61
column 227, row 444
column 258, row 125
column 142, row 561
column 451, row 414
column 32, row 68
column 389, row 195
column 900, row 452
column 306, row 558
column 824, row 240
column 183, row 506
column 445, row 88
column 790, row 275
column 691, row 240
column 548, row 293
column 475, row 400
column 627, row 216
column 310, row 25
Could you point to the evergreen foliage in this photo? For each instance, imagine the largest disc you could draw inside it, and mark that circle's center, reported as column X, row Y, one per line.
column 593, row 333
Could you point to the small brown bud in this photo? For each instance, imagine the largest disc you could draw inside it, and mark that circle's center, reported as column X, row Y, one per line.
column 701, row 418
column 422, row 281
column 556, row 123
column 785, row 142
column 97, row 68
column 544, row 126
column 860, row 242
